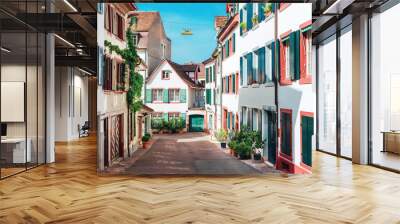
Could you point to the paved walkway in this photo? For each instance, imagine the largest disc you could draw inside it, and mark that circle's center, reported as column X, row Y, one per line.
column 188, row 154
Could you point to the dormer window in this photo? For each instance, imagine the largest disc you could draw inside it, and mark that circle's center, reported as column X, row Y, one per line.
column 165, row 74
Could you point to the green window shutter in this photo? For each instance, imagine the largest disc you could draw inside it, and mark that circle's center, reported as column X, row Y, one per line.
column 297, row 55
column 277, row 60
column 165, row 116
column 206, row 75
column 214, row 73
column 149, row 97
column 165, row 96
column 233, row 121
column 234, row 42
column 182, row 95
column 249, row 9
column 292, row 55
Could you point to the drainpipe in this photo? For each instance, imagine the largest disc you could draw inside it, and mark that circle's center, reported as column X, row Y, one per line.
column 220, row 79
column 276, row 85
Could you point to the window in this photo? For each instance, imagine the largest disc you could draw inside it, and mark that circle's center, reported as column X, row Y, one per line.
column 108, row 68
column 249, row 64
column 268, row 63
column 207, row 75
column 109, row 18
column 305, row 56
column 121, row 72
column 255, row 78
column 165, row 74
column 136, row 39
column 172, row 115
column 120, row 27
column 157, row 95
column 290, row 58
column 157, row 115
column 286, row 132
column 163, row 50
column 173, row 95
column 261, row 65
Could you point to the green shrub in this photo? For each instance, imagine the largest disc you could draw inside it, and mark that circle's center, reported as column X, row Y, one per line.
column 157, row 123
column 146, row 137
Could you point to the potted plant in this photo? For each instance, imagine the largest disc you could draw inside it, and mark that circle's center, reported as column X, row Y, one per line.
column 232, row 146
column 221, row 136
column 243, row 25
column 254, row 20
column 243, row 150
column 267, row 9
column 145, row 140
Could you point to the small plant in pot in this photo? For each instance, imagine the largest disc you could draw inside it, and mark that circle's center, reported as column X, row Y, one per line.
column 267, row 9
column 145, row 140
column 243, row 25
column 221, row 135
column 243, row 150
column 254, row 20
column 232, row 145
column 257, row 146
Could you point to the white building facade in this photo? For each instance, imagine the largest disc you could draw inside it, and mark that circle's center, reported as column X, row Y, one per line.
column 281, row 50
column 172, row 94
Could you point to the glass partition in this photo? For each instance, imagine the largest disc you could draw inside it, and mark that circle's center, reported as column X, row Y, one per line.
column 327, row 95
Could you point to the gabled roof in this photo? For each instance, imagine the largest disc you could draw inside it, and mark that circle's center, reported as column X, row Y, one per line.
column 145, row 20
column 180, row 70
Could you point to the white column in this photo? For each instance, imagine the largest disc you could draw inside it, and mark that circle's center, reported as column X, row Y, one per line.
column 360, row 90
column 50, row 99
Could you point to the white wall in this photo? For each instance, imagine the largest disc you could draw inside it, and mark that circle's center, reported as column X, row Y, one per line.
column 71, row 102
column 175, row 82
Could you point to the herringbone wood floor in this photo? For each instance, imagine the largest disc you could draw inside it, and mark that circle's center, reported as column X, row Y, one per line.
column 70, row 191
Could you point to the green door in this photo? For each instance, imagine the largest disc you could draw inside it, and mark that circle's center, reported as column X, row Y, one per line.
column 196, row 123
column 271, row 136
column 307, row 130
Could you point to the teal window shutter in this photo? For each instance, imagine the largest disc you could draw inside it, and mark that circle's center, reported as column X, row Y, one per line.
column 249, row 22
column 261, row 65
column 241, row 20
column 165, row 115
column 261, row 15
column 249, row 68
column 233, row 42
column 278, row 60
column 183, row 116
column 182, row 95
column 241, row 70
column 214, row 73
column 229, row 121
column 233, row 121
column 149, row 97
column 206, row 75
column 297, row 55
column 233, row 83
column 292, row 55
column 165, row 96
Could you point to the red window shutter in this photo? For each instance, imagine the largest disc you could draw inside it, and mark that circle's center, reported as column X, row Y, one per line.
column 303, row 56
column 283, row 62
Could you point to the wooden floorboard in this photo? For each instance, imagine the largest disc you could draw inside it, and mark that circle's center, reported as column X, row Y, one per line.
column 70, row 191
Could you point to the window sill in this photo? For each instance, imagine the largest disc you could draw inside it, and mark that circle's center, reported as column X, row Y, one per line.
column 268, row 84
column 114, row 91
column 306, row 80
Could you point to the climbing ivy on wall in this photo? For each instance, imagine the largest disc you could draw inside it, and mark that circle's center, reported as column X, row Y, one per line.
column 131, row 58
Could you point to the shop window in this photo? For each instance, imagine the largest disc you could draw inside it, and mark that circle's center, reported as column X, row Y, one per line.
column 173, row 95
column 286, row 132
column 157, row 95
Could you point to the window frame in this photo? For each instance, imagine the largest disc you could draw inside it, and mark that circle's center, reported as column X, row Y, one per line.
column 165, row 72
column 155, row 96
column 305, row 55
column 175, row 93
column 285, row 77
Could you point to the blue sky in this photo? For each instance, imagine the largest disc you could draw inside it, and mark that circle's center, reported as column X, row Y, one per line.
column 199, row 17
